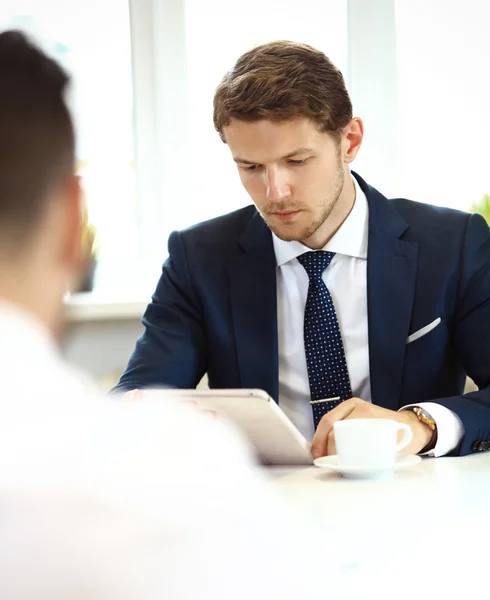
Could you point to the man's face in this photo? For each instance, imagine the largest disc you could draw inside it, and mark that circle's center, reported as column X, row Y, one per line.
column 293, row 173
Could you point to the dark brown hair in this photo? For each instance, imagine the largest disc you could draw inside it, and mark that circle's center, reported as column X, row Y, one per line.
column 283, row 80
column 36, row 134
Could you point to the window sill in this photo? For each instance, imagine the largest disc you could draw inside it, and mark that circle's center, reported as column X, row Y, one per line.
column 96, row 306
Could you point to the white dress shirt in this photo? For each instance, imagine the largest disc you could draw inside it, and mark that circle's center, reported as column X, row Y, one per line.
column 346, row 281
column 124, row 500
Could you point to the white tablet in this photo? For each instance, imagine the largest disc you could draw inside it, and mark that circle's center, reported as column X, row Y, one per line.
column 275, row 439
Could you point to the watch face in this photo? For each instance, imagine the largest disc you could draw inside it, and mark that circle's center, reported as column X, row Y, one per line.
column 428, row 420
column 425, row 417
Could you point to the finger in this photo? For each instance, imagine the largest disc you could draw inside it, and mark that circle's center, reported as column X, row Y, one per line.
column 196, row 406
column 319, row 444
column 331, row 448
column 210, row 413
column 133, row 395
column 191, row 403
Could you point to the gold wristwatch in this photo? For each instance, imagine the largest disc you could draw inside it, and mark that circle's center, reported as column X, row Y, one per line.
column 424, row 417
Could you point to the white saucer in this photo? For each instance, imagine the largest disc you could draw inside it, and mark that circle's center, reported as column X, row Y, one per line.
column 363, row 472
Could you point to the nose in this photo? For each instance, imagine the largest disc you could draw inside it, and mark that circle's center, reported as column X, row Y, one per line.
column 277, row 186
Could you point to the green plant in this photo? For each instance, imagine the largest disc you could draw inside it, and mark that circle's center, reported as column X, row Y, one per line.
column 89, row 238
column 482, row 207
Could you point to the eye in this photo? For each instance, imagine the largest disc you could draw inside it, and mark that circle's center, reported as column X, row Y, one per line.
column 297, row 162
column 250, row 168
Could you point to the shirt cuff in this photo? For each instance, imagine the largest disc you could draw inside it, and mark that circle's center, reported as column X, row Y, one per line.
column 450, row 429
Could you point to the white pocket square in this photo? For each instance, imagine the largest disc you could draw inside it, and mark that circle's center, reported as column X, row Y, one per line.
column 424, row 331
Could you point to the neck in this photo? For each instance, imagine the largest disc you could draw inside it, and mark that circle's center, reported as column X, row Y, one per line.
column 36, row 293
column 340, row 211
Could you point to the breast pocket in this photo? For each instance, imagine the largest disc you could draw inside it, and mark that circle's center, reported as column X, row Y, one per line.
column 424, row 331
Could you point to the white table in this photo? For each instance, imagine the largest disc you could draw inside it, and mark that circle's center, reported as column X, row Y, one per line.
column 439, row 510
column 458, row 482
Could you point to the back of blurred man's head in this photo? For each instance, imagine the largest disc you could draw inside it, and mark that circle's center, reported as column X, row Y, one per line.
column 39, row 194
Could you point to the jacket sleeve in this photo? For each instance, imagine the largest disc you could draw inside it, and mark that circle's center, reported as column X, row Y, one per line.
column 171, row 352
column 471, row 337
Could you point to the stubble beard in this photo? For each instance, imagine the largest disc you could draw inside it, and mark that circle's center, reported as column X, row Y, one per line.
column 311, row 228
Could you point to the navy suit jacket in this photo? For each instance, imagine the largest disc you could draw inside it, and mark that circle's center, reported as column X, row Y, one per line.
column 214, row 310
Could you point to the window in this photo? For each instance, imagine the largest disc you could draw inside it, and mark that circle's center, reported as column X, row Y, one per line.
column 416, row 71
column 444, row 91
column 217, row 32
column 181, row 50
column 91, row 39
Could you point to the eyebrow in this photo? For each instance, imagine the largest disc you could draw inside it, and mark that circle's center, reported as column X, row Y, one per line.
column 289, row 155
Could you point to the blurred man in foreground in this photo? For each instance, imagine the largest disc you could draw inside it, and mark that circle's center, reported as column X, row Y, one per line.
column 103, row 499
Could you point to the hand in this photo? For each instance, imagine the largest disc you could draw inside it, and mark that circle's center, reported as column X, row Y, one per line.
column 323, row 443
column 133, row 395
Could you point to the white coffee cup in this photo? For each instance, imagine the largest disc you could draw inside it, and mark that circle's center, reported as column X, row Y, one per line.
column 369, row 442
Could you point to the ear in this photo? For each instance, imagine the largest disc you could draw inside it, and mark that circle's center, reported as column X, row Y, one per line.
column 69, row 227
column 352, row 137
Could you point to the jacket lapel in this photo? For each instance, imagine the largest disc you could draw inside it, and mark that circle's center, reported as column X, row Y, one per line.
column 254, row 308
column 391, row 278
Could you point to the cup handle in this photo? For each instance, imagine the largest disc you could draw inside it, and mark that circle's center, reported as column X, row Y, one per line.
column 407, row 436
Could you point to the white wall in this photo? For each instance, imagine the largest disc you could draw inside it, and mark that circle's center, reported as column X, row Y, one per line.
column 102, row 348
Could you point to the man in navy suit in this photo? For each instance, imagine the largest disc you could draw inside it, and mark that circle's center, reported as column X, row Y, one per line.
column 324, row 291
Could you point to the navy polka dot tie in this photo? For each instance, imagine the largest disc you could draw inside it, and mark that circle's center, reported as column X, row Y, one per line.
column 325, row 358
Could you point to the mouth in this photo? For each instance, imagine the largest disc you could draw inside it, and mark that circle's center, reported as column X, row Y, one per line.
column 287, row 215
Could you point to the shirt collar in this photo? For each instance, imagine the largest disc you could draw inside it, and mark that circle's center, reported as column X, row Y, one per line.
column 351, row 239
